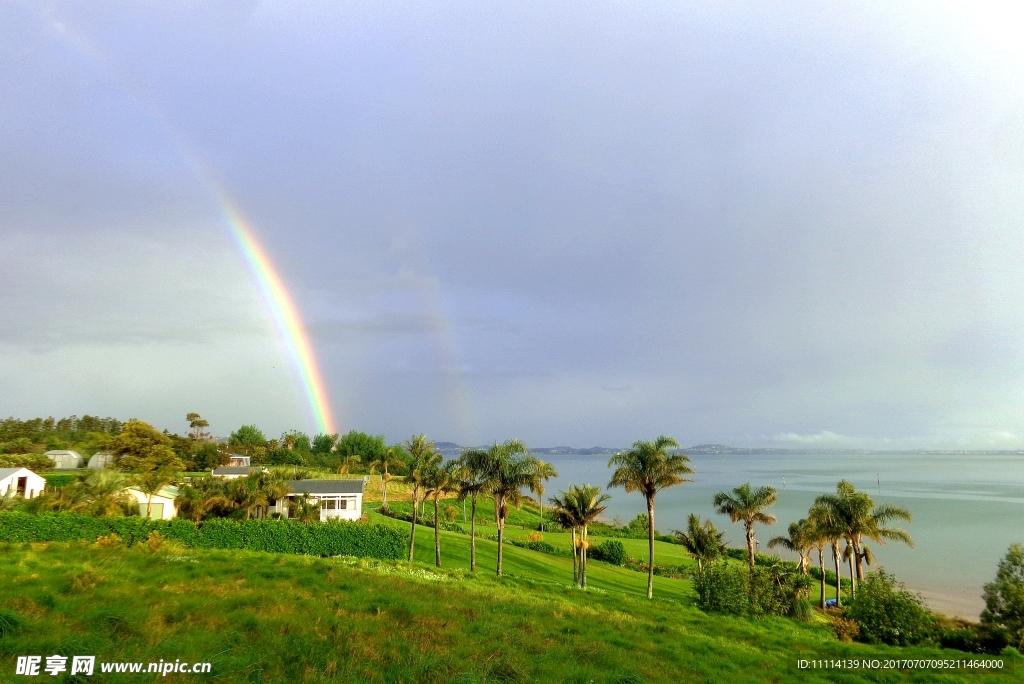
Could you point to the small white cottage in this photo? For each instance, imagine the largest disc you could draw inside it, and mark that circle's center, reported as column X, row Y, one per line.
column 101, row 459
column 64, row 459
column 163, row 506
column 239, row 461
column 339, row 499
column 22, row 482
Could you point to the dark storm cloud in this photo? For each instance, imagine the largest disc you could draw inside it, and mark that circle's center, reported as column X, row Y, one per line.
column 571, row 223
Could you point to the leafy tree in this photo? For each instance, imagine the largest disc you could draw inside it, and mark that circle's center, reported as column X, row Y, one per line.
column 887, row 613
column 367, row 447
column 545, row 471
column 510, row 469
column 197, row 500
column 296, row 441
column 424, row 457
column 34, row 462
column 103, row 493
column 747, row 505
column 140, row 447
column 198, row 426
column 648, row 468
column 579, row 508
column 247, row 438
column 1004, row 598
column 702, row 541
column 473, row 483
column 324, row 444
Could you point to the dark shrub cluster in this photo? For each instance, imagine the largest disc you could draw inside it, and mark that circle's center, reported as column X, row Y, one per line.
column 609, row 551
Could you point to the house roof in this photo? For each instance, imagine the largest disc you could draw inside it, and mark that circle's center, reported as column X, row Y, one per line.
column 327, row 486
column 236, row 470
column 7, row 472
column 62, row 452
column 167, row 491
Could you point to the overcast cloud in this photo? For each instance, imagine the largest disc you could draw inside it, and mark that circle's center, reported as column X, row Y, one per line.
column 575, row 223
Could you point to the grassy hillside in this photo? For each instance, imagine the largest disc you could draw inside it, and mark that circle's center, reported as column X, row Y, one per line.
column 275, row 618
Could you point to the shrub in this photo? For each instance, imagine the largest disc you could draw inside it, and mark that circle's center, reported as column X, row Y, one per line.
column 1004, row 598
column 724, row 588
column 845, row 630
column 109, row 541
column 609, row 551
column 888, row 613
column 334, row 538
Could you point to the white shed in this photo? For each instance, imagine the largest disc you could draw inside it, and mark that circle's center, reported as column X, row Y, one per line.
column 65, row 460
column 163, row 507
column 101, row 459
column 21, row 481
column 339, row 499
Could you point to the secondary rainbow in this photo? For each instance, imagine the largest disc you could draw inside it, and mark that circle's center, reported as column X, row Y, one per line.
column 285, row 314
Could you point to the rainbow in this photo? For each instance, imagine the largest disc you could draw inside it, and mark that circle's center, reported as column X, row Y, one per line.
column 285, row 314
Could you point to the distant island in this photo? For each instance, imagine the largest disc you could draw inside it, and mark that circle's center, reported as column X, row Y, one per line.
column 451, row 448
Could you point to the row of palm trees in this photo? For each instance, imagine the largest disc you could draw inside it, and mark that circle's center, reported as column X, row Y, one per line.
column 847, row 517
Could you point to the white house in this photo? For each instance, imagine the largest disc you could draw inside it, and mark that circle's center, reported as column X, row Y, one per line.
column 232, row 472
column 239, row 461
column 21, row 481
column 65, row 460
column 164, row 506
column 339, row 499
column 101, row 459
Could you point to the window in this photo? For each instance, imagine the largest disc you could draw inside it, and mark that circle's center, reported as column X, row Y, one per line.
column 343, row 504
column 332, row 504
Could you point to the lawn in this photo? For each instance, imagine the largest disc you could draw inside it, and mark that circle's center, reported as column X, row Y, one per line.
column 260, row 617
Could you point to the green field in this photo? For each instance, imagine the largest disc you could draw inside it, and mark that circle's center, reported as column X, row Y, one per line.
column 261, row 617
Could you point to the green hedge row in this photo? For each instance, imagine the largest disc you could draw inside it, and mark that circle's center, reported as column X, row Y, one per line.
column 334, row 538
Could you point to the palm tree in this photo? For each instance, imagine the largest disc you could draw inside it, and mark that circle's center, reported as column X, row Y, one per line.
column 151, row 482
column 747, row 504
column 389, row 459
column 350, row 461
column 856, row 514
column 510, row 469
column 702, row 541
column 648, row 468
column 817, row 539
column 798, row 541
column 8, row 500
column 437, row 481
column 545, row 471
column 305, row 509
column 103, row 493
column 563, row 514
column 195, row 501
column 831, row 530
column 580, row 508
column 473, row 483
column 424, row 457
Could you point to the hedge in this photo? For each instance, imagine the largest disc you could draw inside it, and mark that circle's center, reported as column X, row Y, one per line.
column 333, row 538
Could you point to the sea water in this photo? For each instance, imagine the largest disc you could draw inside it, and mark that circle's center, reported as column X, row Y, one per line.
column 967, row 508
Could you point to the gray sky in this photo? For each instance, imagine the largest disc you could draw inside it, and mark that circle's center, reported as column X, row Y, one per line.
column 576, row 223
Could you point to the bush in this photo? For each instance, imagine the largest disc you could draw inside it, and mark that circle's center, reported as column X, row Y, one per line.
column 334, row 538
column 1004, row 598
column 887, row 613
column 609, row 551
column 724, row 588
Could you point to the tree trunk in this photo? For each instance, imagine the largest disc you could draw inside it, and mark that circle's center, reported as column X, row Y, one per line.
column 437, row 533
column 575, row 563
column 821, row 565
column 650, row 547
column 149, row 506
column 472, row 538
column 835, row 558
column 853, row 577
column 583, row 557
column 750, row 542
column 858, row 548
column 501, row 530
column 541, row 501
column 412, row 535
column 383, row 492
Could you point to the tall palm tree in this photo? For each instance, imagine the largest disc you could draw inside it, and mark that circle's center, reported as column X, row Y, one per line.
column 510, row 469
column 424, row 457
column 702, row 541
column 817, row 540
column 831, row 531
column 580, row 507
column 195, row 501
column 857, row 514
column 104, row 493
column 437, row 481
column 648, row 468
column 545, row 471
column 150, row 483
column 798, row 541
column 348, row 462
column 473, row 483
column 563, row 514
column 389, row 459
column 305, row 509
column 747, row 504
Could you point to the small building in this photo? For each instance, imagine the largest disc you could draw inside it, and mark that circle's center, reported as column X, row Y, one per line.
column 22, row 482
column 232, row 472
column 239, row 461
column 164, row 506
column 64, row 459
column 101, row 460
column 338, row 499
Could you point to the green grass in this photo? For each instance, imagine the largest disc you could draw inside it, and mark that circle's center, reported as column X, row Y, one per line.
column 275, row 618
